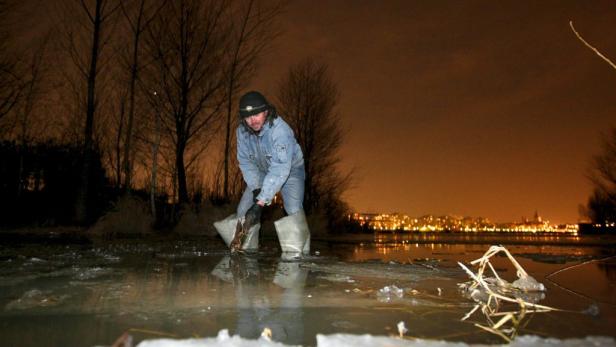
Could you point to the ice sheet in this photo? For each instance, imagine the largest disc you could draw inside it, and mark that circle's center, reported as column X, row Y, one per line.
column 394, row 271
column 349, row 340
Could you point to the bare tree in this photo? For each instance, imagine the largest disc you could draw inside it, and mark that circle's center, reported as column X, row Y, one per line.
column 10, row 86
column 215, row 183
column 115, row 132
column 308, row 97
column 251, row 35
column 602, row 203
column 88, row 28
column 33, row 92
column 601, row 206
column 10, row 81
column 138, row 15
column 188, row 44
column 155, row 149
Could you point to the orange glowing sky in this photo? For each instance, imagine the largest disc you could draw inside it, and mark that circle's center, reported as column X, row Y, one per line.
column 481, row 108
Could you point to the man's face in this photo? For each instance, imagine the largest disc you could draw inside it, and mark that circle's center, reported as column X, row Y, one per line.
column 256, row 121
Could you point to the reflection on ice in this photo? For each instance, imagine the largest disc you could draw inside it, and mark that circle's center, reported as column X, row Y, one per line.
column 34, row 299
column 236, row 268
column 391, row 270
column 290, row 275
column 90, row 273
column 337, row 278
column 256, row 311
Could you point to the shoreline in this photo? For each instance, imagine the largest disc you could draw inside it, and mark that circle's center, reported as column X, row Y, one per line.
column 84, row 236
column 509, row 238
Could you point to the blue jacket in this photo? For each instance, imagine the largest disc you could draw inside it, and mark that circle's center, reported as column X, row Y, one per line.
column 269, row 157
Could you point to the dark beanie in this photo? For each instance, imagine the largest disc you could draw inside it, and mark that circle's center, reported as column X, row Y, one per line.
column 252, row 103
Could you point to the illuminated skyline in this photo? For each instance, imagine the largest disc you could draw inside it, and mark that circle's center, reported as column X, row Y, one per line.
column 430, row 223
column 461, row 108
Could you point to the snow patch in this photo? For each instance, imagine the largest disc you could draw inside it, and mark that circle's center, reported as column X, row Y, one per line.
column 349, row 340
column 222, row 340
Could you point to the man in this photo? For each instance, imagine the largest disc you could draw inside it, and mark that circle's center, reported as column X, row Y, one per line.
column 270, row 160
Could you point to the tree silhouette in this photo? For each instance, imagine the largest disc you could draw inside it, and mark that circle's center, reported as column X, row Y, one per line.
column 10, row 81
column 251, row 35
column 601, row 206
column 88, row 28
column 27, row 111
column 187, row 42
column 138, row 15
column 308, row 97
column 602, row 203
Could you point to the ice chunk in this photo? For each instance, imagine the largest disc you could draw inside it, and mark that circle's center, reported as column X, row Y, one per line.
column 338, row 278
column 536, row 341
column 222, row 340
column 592, row 310
column 90, row 273
column 402, row 328
column 529, row 284
column 388, row 293
column 36, row 260
column 347, row 340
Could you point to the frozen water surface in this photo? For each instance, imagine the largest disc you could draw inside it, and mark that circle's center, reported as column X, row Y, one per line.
column 355, row 292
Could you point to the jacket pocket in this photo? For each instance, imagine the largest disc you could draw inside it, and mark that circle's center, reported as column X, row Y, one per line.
column 281, row 152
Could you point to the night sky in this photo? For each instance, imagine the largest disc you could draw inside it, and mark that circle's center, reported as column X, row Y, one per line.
column 469, row 108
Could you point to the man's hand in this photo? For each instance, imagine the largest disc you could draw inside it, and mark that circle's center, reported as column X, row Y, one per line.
column 253, row 216
column 255, row 193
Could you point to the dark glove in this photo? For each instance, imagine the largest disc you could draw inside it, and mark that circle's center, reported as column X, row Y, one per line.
column 253, row 216
column 255, row 193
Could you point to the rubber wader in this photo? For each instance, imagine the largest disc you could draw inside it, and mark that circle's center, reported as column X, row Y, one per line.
column 226, row 229
column 293, row 233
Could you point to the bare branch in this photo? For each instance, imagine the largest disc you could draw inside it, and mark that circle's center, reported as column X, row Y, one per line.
column 85, row 8
column 591, row 47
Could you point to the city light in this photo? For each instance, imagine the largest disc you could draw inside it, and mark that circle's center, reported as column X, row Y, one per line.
column 430, row 223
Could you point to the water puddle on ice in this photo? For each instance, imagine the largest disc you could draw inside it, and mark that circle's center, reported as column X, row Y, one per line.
column 87, row 295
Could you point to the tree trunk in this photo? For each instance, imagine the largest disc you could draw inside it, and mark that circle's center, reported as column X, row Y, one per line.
column 232, row 79
column 225, row 184
column 155, row 147
column 81, row 212
column 131, row 103
column 118, row 146
column 181, row 174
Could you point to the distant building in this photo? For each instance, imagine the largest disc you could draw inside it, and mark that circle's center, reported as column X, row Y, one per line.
column 427, row 223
